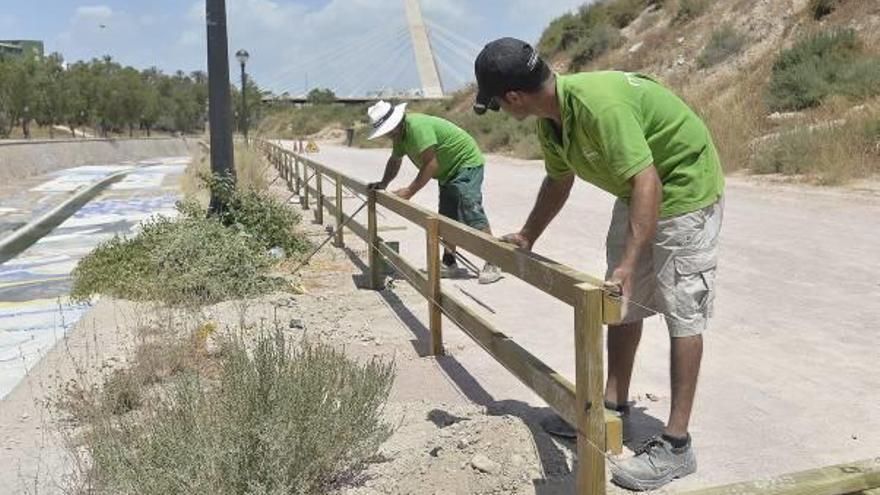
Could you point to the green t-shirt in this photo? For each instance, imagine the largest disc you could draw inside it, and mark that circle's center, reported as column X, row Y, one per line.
column 616, row 124
column 455, row 149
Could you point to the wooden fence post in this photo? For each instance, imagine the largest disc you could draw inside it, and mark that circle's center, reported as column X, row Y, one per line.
column 435, row 317
column 297, row 177
column 340, row 241
column 589, row 391
column 319, row 201
column 377, row 276
column 304, row 183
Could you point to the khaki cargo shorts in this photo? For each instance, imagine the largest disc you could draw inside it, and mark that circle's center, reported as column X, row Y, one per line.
column 676, row 275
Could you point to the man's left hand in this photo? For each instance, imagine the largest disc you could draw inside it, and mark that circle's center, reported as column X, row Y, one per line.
column 403, row 192
column 620, row 283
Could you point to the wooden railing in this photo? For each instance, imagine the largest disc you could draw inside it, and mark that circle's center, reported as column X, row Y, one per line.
column 580, row 404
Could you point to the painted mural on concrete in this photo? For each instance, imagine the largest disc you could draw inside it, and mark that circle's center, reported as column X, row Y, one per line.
column 34, row 309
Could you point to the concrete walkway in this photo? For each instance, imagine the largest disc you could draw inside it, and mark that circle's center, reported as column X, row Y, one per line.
column 789, row 378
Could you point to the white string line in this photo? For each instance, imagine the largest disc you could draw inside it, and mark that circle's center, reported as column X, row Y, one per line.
column 318, row 64
column 322, row 56
column 366, row 71
column 466, row 56
column 395, row 58
column 402, row 68
column 354, row 65
column 398, row 43
column 461, row 40
column 450, row 68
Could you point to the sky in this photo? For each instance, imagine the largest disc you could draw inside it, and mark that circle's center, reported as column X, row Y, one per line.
column 350, row 46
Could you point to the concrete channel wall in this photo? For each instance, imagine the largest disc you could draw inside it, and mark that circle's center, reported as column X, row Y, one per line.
column 21, row 159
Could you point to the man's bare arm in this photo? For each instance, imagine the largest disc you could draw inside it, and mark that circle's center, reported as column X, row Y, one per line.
column 644, row 211
column 429, row 168
column 551, row 198
column 392, row 167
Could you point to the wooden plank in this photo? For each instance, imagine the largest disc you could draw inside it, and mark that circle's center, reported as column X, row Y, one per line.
column 349, row 182
column 339, row 241
column 840, row 479
column 305, row 186
column 551, row 277
column 319, row 199
column 408, row 210
column 412, row 274
column 589, row 370
column 377, row 278
column 435, row 317
column 551, row 386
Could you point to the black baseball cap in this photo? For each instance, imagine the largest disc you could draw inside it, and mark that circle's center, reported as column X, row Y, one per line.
column 506, row 64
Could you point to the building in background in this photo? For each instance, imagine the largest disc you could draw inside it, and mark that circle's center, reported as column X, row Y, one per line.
column 21, row 48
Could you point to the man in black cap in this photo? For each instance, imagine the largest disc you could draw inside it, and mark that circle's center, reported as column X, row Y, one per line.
column 628, row 135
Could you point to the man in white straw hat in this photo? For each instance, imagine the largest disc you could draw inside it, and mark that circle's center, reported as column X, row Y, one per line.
column 443, row 151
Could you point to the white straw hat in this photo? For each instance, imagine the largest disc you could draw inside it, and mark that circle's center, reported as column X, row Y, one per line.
column 384, row 118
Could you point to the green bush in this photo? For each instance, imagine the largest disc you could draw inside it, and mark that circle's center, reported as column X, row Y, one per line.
column 689, row 10
column 293, row 123
column 187, row 262
column 258, row 215
column 821, row 8
column 598, row 40
column 826, row 63
column 623, row 12
column 275, row 421
column 788, row 154
column 724, row 43
column 561, row 34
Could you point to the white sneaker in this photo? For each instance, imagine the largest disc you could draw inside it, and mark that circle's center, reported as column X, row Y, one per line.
column 490, row 274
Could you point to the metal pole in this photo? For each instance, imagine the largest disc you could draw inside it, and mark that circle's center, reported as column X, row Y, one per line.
column 244, row 108
column 219, row 100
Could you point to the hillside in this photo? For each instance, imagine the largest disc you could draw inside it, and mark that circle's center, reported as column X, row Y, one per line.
column 787, row 87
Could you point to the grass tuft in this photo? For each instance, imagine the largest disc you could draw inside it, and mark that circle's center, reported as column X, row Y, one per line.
column 273, row 420
column 724, row 43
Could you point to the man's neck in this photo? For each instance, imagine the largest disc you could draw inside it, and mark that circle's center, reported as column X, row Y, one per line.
column 547, row 105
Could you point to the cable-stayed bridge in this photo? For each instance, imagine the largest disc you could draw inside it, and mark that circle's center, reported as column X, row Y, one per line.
column 407, row 45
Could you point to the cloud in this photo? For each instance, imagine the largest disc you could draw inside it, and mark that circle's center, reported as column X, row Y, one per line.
column 347, row 45
column 89, row 12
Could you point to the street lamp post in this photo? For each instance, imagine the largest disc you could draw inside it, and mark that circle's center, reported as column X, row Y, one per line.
column 219, row 111
column 243, row 56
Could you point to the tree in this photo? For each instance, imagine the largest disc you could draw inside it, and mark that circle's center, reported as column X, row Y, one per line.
column 49, row 98
column 321, row 96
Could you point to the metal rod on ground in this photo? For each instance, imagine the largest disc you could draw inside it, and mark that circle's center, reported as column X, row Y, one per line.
column 327, row 239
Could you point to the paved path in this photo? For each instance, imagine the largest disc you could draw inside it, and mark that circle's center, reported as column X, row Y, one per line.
column 790, row 376
column 34, row 312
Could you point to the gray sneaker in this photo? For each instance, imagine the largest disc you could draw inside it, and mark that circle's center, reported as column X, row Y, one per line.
column 490, row 274
column 451, row 271
column 655, row 464
column 555, row 425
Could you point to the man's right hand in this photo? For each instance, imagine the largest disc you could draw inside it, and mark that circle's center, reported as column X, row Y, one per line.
column 376, row 186
column 518, row 240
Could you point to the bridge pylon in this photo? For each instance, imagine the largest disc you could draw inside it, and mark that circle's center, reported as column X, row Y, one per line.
column 425, row 61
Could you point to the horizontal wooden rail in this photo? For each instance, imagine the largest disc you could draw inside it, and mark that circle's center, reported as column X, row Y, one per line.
column 574, row 402
column 408, row 210
column 841, row 479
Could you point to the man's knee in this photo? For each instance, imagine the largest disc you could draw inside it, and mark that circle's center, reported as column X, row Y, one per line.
column 624, row 328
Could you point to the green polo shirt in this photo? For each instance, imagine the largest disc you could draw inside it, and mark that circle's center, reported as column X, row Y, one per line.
column 455, row 149
column 616, row 124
